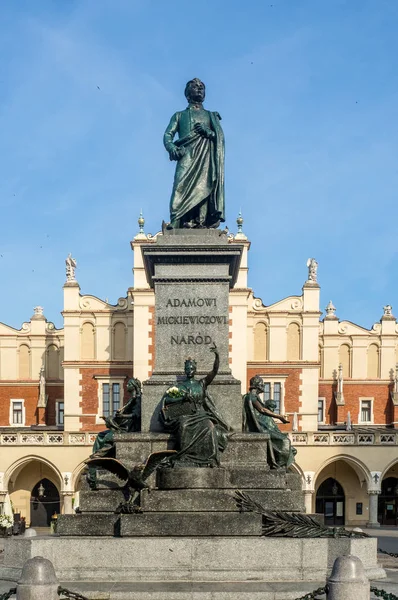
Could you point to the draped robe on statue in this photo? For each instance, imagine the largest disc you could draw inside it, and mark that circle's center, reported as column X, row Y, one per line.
column 201, row 431
column 198, row 190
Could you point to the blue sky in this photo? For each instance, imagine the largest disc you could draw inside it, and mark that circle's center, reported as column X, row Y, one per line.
column 308, row 93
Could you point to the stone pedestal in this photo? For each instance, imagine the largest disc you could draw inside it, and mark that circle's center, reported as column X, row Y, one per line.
column 191, row 272
column 187, row 501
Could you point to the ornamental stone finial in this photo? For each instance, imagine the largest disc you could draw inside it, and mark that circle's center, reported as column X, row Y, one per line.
column 71, row 265
column 141, row 222
column 330, row 310
column 38, row 313
column 312, row 270
column 387, row 311
column 239, row 222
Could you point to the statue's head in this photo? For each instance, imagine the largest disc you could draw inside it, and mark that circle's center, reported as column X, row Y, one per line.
column 190, row 367
column 270, row 404
column 195, row 90
column 257, row 383
column 134, row 386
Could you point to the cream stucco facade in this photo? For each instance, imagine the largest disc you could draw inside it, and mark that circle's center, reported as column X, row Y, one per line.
column 335, row 380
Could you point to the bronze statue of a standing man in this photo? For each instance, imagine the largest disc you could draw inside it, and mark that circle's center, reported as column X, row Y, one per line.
column 197, row 199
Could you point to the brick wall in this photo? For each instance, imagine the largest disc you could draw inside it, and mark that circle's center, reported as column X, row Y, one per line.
column 30, row 394
column 292, row 388
column 382, row 404
column 151, row 340
column 89, row 392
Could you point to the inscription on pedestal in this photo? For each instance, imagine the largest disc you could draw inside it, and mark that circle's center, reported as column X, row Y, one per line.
column 188, row 321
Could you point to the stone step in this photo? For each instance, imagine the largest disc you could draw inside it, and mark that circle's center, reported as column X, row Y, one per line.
column 203, row 500
column 100, row 500
column 89, row 524
column 160, row 524
column 200, row 524
column 241, row 476
column 192, row 590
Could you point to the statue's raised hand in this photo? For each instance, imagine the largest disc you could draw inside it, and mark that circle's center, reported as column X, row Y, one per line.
column 214, row 348
column 203, row 131
column 176, row 153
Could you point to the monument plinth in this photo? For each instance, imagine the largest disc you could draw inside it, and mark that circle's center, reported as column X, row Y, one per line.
column 191, row 271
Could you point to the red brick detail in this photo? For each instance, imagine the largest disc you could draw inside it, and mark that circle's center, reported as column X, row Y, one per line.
column 30, row 395
column 41, row 415
column 292, row 399
column 151, row 339
column 89, row 393
column 383, row 409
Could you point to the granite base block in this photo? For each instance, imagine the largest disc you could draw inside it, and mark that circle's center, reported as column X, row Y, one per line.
column 100, row 500
column 201, row 524
column 88, row 524
column 228, row 476
column 223, row 559
column 219, row 500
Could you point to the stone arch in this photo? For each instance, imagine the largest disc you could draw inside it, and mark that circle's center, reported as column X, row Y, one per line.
column 119, row 331
column 87, row 341
column 24, row 476
column 76, row 474
column 293, row 341
column 373, row 368
column 52, row 362
column 389, row 466
column 16, row 466
column 297, row 469
column 357, row 465
column 345, row 359
column 24, row 369
column 260, row 341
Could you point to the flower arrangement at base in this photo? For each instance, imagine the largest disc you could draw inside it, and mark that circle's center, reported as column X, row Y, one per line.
column 5, row 521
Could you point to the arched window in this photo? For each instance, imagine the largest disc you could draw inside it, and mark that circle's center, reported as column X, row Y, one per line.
column 373, row 361
column 52, row 362
column 345, row 359
column 87, row 342
column 260, row 342
column 293, row 342
column 330, row 501
column 24, row 362
column 119, row 342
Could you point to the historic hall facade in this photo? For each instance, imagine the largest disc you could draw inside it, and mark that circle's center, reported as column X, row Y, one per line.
column 336, row 381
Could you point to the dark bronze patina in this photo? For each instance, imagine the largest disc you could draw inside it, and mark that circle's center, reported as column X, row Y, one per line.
column 135, row 478
column 127, row 419
column 258, row 417
column 201, row 432
column 197, row 198
column 291, row 524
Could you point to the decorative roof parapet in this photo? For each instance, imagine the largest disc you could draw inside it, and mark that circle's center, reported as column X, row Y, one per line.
column 387, row 313
column 312, row 272
column 71, row 264
column 38, row 314
column 331, row 311
column 240, row 235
